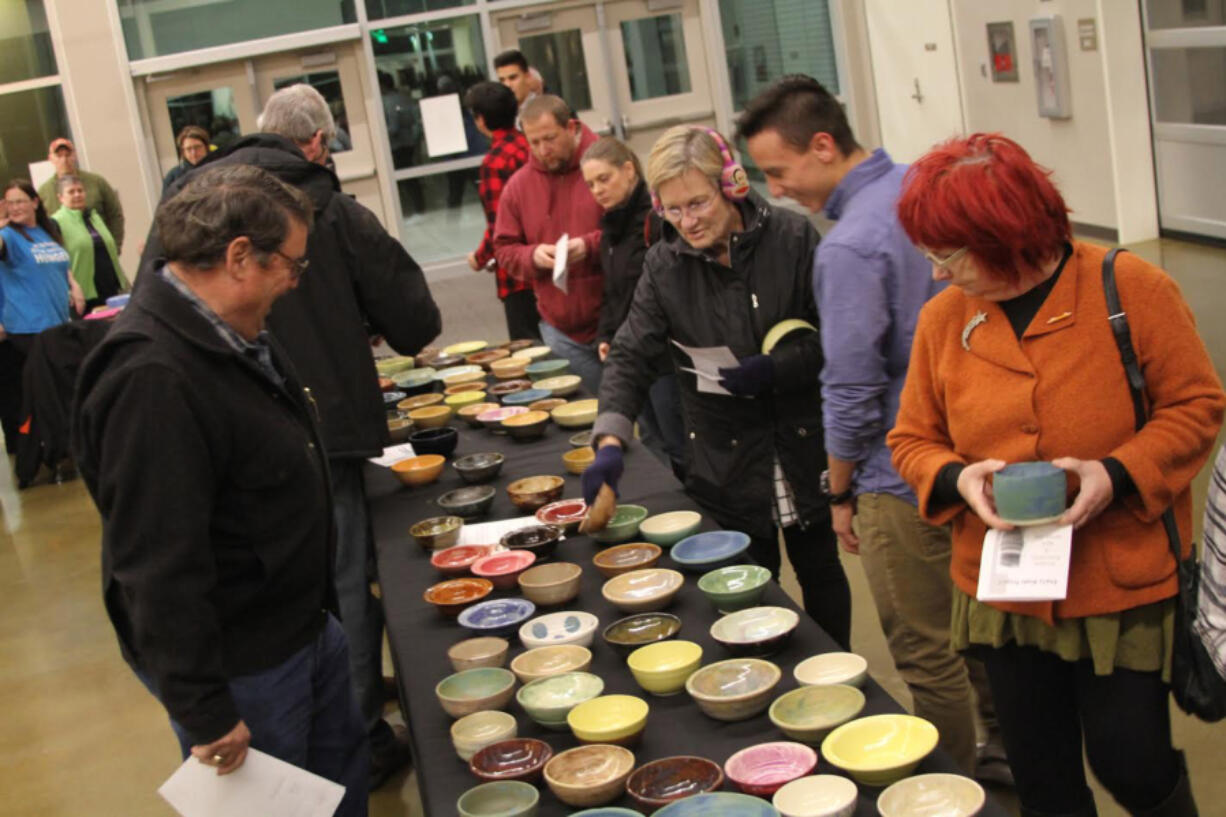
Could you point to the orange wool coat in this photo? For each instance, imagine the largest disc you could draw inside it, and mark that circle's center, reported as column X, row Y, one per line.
column 1061, row 392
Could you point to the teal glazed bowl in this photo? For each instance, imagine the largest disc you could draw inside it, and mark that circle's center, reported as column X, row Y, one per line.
column 547, row 368
column 735, row 587
column 719, row 804
column 1029, row 493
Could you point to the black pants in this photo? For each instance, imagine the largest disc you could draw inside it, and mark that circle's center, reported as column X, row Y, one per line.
column 13, row 352
column 523, row 321
column 1048, row 707
column 814, row 554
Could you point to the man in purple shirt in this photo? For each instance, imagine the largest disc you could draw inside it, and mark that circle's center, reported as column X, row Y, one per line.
column 870, row 282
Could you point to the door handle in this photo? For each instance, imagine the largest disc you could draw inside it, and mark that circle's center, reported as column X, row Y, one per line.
column 918, row 96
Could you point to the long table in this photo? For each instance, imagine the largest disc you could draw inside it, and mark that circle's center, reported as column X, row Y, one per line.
column 419, row 636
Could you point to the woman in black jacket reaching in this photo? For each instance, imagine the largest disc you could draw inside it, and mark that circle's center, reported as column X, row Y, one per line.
column 629, row 226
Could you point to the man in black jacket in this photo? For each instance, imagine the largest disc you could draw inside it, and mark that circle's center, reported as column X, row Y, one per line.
column 362, row 282
column 730, row 267
column 198, row 443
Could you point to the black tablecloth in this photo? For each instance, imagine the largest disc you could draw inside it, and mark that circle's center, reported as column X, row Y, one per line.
column 419, row 636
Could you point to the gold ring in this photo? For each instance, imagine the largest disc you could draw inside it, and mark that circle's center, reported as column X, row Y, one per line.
column 218, row 759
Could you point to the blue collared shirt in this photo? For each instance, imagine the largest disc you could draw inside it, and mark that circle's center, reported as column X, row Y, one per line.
column 870, row 282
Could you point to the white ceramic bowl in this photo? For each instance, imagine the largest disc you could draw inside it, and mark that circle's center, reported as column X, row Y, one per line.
column 541, row 662
column 932, row 795
column 819, row 795
column 472, row 733
column 832, row 668
column 756, row 631
column 566, row 627
column 643, row 591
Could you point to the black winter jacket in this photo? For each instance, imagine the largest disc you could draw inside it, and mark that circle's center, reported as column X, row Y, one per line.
column 624, row 234
column 361, row 282
column 217, row 540
column 731, row 441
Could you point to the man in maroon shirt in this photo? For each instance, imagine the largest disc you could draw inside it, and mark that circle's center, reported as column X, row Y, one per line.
column 494, row 109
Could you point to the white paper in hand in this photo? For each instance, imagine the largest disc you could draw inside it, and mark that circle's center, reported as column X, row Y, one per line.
column 1025, row 564
column 263, row 786
column 560, row 251
column 394, row 454
column 707, row 363
column 483, row 533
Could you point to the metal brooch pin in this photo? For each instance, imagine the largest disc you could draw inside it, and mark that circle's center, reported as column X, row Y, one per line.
column 980, row 317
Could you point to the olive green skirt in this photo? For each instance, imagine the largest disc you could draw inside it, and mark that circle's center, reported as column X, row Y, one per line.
column 1139, row 639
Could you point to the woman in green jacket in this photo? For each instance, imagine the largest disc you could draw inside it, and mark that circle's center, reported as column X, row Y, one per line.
column 95, row 261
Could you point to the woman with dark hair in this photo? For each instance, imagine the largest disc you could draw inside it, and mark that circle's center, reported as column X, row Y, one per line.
column 36, row 288
column 1015, row 362
column 193, row 145
column 613, row 174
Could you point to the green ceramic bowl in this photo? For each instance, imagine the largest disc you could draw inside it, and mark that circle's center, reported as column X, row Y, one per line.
column 549, row 700
column 735, row 587
column 667, row 529
column 542, row 369
column 502, row 798
column 808, row 714
column 623, row 526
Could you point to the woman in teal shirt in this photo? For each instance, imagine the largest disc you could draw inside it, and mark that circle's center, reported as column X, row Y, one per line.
column 95, row 259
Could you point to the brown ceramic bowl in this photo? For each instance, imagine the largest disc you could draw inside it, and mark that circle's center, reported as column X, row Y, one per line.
column 460, row 388
column 453, row 595
column 431, row 416
column 509, row 369
column 427, row 356
column 577, row 460
column 658, row 783
column 420, row 401
column 420, row 470
column 550, row 584
column 589, row 775
column 485, row 358
column 399, row 429
column 514, row 346
column 469, row 414
column 621, row 559
column 514, row 759
column 506, row 387
column 531, row 493
column 437, row 532
column 547, row 405
column 539, row 539
column 443, row 361
column 483, row 651
column 527, row 426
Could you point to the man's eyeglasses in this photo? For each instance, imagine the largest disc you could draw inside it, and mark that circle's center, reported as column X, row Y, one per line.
column 938, row 261
column 693, row 209
column 297, row 265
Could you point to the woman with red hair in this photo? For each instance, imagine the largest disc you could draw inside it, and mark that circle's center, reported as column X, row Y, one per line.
column 1016, row 362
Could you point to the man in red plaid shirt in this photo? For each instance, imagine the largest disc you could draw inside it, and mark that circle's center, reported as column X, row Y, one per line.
column 494, row 110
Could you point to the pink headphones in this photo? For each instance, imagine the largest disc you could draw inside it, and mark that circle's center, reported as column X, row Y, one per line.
column 733, row 180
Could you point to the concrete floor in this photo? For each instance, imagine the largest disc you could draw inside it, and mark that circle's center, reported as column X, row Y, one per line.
column 82, row 736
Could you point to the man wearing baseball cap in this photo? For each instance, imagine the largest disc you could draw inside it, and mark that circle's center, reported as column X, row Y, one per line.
column 99, row 195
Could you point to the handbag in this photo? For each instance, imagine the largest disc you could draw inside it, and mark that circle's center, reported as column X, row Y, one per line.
column 1198, row 688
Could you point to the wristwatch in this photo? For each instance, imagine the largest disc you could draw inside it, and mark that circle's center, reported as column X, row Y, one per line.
column 841, row 498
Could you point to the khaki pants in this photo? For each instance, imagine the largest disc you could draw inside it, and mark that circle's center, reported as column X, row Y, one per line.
column 906, row 561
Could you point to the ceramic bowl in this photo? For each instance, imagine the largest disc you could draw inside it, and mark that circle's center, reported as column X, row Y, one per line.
column 399, row 429
column 528, row 426
column 566, row 627
column 643, row 591
column 420, row 470
column 565, row 514
column 549, row 700
column 511, row 759
column 628, row 634
column 427, row 356
column 463, row 388
column 561, row 386
column 533, row 353
column 607, row 811
column 622, row 526
column 531, row 493
column 735, row 689
column 656, row 784
column 576, row 414
column 504, row 567
column 1030, row 493
column 502, row 798
column 465, row 398
column 735, row 587
column 469, row 502
column 756, row 630
column 485, row 358
column 621, row 559
column 539, row 539
column 525, row 397
column 431, row 416
column 437, row 532
column 663, row 668
column 809, row 714
column 500, row 617
column 509, row 387
column 386, row 384
column 617, row 719
column 472, row 733
column 388, row 366
column 476, row 468
column 440, row 440
column 819, row 795
column 719, row 804
column 667, row 529
column 577, row 460
column 704, row 551
column 762, row 770
column 492, row 419
column 446, row 363
column 485, row 651
column 465, row 347
column 880, row 749
column 415, row 381
column 551, row 584
column 925, row 795
column 477, row 376
column 590, row 776
column 542, row 662
column 471, row 414
column 475, row 690
column 581, row 440
column 832, row 668
column 456, row 560
column 391, row 398
column 514, row 346
column 548, row 369
column 452, row 596
column 546, row 404
column 782, row 330
column 510, row 368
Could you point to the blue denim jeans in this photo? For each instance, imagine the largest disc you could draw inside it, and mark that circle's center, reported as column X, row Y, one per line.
column 584, row 361
column 303, row 712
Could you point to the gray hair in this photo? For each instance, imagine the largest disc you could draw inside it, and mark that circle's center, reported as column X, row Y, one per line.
column 224, row 202
column 62, row 183
column 297, row 112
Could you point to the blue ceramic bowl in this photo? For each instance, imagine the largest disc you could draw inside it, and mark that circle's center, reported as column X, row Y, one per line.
column 719, row 804
column 704, row 551
column 523, row 398
column 500, row 617
column 1029, row 492
column 606, row 811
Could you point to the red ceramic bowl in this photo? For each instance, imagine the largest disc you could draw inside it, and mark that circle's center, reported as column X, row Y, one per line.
column 658, row 783
column 453, row 595
column 762, row 770
column 503, row 568
column 455, row 561
column 514, row 759
column 565, row 514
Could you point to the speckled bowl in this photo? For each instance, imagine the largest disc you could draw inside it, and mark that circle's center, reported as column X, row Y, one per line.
column 589, row 775
column 477, row 468
column 469, row 502
column 719, row 804
column 437, row 532
column 530, row 493
column 735, row 689
column 809, row 713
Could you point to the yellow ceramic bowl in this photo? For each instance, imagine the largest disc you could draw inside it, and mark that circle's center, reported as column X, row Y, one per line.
column 880, row 749
column 465, row 398
column 781, row 330
column 464, row 377
column 419, row 401
column 560, row 386
column 532, row 353
column 509, row 368
column 663, row 668
column 466, row 347
column 420, row 470
column 431, row 416
column 577, row 460
column 576, row 414
column 617, row 719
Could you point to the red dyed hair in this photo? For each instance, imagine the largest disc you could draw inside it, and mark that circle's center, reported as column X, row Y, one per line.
column 985, row 193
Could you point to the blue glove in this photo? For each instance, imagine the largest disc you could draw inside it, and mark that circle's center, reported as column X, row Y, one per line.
column 755, row 375
column 605, row 469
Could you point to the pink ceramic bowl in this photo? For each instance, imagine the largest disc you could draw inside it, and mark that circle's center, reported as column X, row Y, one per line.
column 762, row 770
column 455, row 561
column 503, row 568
